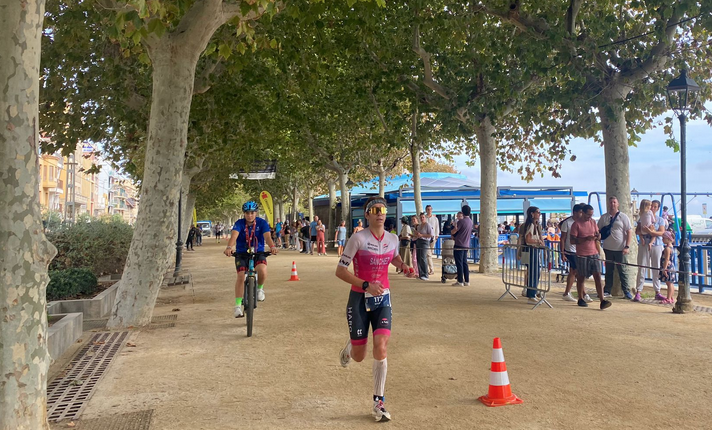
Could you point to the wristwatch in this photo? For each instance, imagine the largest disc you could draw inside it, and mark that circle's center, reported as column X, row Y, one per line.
column 626, row 247
column 364, row 285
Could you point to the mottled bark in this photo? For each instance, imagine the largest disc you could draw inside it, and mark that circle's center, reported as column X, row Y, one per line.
column 25, row 253
column 415, row 161
column 381, row 180
column 310, row 198
column 345, row 199
column 295, row 203
column 617, row 161
column 488, row 195
column 332, row 205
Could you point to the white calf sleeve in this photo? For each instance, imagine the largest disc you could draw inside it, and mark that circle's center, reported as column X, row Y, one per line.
column 380, row 368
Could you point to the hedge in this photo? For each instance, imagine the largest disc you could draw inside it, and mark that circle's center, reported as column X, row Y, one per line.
column 67, row 284
column 100, row 245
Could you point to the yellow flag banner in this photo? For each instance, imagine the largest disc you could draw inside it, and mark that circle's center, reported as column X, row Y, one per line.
column 266, row 199
column 195, row 217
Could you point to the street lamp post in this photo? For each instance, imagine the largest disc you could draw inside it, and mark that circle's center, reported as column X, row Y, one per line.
column 679, row 92
column 179, row 244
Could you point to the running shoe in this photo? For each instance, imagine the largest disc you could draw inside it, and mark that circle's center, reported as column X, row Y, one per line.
column 569, row 298
column 260, row 295
column 628, row 295
column 659, row 296
column 587, row 298
column 379, row 412
column 533, row 301
column 344, row 357
column 582, row 303
column 238, row 312
column 424, row 278
column 457, row 284
column 605, row 304
column 467, row 284
column 607, row 295
column 637, row 297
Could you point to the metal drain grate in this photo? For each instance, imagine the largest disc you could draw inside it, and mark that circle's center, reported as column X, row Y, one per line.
column 140, row 420
column 68, row 394
column 162, row 318
column 696, row 308
column 161, row 325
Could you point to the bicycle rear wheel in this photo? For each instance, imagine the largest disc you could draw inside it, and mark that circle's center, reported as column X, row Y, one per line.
column 250, row 287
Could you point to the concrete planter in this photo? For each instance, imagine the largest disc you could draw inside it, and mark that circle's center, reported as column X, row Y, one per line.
column 65, row 330
column 92, row 309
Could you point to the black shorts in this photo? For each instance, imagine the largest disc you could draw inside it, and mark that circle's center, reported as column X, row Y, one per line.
column 571, row 259
column 359, row 319
column 242, row 261
column 313, row 238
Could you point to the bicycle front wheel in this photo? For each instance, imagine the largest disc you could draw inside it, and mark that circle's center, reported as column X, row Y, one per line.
column 250, row 292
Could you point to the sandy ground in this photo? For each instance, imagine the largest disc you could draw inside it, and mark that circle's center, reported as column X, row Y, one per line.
column 632, row 366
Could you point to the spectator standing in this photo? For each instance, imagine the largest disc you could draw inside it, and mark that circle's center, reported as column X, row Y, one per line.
column 320, row 237
column 312, row 232
column 435, row 229
column 191, row 238
column 199, row 236
column 585, row 235
column 358, row 227
column 667, row 266
column 568, row 251
column 306, row 242
column 616, row 246
column 404, row 237
column 533, row 240
column 423, row 235
column 286, row 232
column 413, row 240
column 340, row 237
column 649, row 255
column 461, row 233
column 278, row 233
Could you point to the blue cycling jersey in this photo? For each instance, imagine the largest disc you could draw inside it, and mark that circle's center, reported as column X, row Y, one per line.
column 255, row 232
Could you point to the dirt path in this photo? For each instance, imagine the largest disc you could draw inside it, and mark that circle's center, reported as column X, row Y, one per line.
column 631, row 366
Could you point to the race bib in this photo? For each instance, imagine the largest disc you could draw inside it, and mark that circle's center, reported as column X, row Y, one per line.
column 375, row 302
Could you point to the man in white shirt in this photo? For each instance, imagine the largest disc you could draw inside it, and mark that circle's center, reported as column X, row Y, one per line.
column 435, row 226
column 616, row 245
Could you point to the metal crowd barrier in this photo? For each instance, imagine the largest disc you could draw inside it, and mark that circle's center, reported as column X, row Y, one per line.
column 700, row 263
column 533, row 273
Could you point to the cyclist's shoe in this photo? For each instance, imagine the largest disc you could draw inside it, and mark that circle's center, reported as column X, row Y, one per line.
column 238, row 312
column 344, row 356
column 260, row 295
column 379, row 411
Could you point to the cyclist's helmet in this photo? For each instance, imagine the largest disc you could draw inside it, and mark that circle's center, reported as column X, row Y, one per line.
column 249, row 207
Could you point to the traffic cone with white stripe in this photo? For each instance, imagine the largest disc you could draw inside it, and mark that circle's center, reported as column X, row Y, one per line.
column 294, row 277
column 500, row 392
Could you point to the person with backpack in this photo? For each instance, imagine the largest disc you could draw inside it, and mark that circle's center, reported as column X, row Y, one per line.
column 616, row 234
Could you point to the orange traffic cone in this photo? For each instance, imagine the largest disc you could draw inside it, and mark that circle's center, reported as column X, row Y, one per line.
column 500, row 392
column 294, row 277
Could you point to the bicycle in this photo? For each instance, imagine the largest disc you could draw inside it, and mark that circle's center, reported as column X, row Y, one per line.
column 250, row 295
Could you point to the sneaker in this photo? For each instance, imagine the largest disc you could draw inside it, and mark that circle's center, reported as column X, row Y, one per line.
column 260, row 295
column 588, row 298
column 238, row 312
column 659, row 296
column 582, row 303
column 344, row 357
column 424, row 278
column 379, row 412
column 605, row 304
column 628, row 295
column 607, row 295
column 569, row 298
column 457, row 284
column 637, row 297
column 532, row 301
column 466, row 284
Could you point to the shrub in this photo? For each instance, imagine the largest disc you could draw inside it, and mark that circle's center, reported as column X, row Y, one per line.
column 100, row 245
column 67, row 284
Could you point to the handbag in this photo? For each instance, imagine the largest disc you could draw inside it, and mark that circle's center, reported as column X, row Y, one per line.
column 606, row 230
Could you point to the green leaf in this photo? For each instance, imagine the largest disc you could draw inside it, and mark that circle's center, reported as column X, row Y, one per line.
column 273, row 43
column 143, row 57
column 224, row 50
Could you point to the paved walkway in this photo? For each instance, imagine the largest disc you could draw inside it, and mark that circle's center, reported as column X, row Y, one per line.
column 631, row 366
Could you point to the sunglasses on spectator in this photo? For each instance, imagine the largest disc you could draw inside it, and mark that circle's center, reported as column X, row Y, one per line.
column 377, row 210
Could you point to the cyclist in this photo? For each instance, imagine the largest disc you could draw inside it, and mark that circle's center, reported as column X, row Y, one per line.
column 249, row 232
column 371, row 251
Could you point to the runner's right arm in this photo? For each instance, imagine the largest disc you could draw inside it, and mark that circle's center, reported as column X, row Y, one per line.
column 342, row 270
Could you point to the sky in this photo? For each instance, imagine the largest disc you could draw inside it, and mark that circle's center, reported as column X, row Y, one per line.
column 654, row 167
